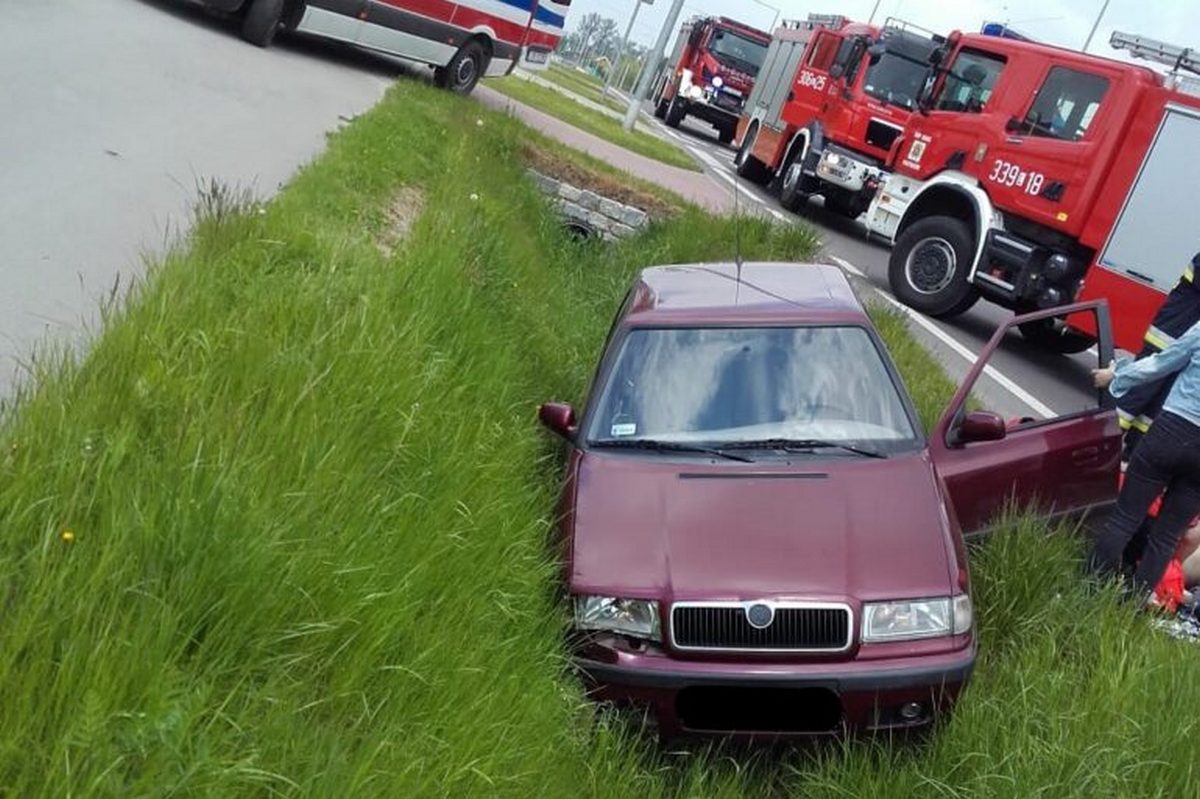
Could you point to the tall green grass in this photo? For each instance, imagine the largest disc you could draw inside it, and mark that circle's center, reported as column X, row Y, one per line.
column 309, row 504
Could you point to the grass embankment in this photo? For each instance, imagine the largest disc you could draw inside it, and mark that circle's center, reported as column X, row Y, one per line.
column 560, row 106
column 583, row 84
column 309, row 504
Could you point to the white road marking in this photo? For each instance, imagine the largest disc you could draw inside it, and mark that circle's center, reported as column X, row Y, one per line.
column 1034, row 404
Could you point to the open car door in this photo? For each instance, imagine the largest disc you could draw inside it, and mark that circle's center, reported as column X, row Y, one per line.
column 1059, row 465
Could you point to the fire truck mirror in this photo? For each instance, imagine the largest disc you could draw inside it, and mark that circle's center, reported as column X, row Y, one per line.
column 836, row 71
column 876, row 52
column 1014, row 125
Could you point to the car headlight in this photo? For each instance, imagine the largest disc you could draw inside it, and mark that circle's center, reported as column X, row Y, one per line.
column 636, row 617
column 718, row 82
column 909, row 620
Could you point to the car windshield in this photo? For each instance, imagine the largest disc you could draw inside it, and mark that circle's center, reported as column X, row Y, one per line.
column 745, row 53
column 900, row 73
column 727, row 386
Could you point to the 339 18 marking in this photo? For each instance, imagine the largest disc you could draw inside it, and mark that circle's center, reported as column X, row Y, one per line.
column 1006, row 173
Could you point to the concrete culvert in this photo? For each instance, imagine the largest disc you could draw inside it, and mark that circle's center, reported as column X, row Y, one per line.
column 579, row 231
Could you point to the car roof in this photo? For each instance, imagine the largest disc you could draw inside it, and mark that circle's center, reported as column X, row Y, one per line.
column 755, row 293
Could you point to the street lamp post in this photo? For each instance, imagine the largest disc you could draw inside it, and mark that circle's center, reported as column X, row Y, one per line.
column 624, row 43
column 654, row 59
column 1095, row 25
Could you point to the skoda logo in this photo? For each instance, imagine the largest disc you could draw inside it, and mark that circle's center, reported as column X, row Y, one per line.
column 760, row 615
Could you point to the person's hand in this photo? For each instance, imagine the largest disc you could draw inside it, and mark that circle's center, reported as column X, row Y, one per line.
column 1102, row 377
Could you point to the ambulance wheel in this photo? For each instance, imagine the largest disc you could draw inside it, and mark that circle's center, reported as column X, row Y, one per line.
column 675, row 112
column 464, row 70
column 262, row 21
column 929, row 266
column 1054, row 336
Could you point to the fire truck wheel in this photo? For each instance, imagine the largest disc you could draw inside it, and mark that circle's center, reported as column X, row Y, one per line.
column 749, row 167
column 1053, row 336
column 725, row 135
column 464, row 70
column 929, row 266
column 675, row 112
column 792, row 184
column 262, row 21
column 660, row 109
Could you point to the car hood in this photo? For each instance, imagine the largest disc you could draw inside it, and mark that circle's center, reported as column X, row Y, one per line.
column 829, row 528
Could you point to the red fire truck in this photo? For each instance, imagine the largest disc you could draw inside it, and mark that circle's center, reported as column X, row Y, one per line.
column 710, row 73
column 832, row 97
column 1036, row 176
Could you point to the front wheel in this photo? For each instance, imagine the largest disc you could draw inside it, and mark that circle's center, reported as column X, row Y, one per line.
column 675, row 112
column 261, row 22
column 464, row 70
column 1053, row 335
column 792, row 185
column 929, row 266
column 725, row 135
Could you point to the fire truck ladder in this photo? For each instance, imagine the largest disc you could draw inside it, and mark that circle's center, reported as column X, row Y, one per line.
column 1170, row 55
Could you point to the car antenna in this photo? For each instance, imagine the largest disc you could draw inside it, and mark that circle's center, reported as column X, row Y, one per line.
column 737, row 232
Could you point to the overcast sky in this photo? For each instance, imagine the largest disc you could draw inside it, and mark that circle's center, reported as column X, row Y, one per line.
column 1064, row 22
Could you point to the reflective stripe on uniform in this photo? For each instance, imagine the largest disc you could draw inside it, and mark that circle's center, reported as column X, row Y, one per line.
column 1158, row 338
column 1128, row 421
column 1189, row 274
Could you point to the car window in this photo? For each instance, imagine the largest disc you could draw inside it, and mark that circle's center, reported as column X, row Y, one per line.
column 724, row 385
column 1066, row 104
column 970, row 82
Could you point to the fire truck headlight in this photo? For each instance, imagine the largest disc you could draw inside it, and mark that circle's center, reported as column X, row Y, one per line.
column 718, row 82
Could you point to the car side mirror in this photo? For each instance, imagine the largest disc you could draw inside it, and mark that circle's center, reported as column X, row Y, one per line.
column 558, row 417
column 980, row 426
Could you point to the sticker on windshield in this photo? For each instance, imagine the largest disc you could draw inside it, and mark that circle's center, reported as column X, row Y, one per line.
column 624, row 430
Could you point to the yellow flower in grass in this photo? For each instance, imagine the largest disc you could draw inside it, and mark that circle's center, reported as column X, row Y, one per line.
column 67, row 536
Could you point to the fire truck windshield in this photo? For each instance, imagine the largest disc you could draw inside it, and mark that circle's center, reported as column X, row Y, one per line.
column 896, row 79
column 969, row 82
column 737, row 51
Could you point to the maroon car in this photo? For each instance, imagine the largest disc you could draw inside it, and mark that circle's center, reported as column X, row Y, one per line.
column 757, row 535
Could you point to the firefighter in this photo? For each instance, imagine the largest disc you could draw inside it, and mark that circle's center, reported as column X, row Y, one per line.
column 1166, row 461
column 1136, row 410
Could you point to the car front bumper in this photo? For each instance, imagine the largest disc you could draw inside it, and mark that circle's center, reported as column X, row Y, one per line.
column 768, row 699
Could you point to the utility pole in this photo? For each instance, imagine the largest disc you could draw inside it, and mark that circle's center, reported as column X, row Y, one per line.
column 637, row 6
column 1095, row 25
column 654, row 59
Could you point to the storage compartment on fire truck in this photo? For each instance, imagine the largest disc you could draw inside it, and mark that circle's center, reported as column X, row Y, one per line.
column 1156, row 231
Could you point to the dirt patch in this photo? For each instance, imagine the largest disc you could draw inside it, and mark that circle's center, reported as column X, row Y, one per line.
column 400, row 215
column 568, row 171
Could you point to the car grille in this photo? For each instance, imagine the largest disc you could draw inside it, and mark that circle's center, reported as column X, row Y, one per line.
column 799, row 627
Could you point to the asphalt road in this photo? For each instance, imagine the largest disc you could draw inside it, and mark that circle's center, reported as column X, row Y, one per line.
column 1022, row 381
column 111, row 112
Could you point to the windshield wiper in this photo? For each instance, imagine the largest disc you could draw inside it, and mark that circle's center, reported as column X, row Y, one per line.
column 667, row 446
column 800, row 444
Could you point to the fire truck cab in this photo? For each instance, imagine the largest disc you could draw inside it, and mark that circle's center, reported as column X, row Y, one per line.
column 832, row 98
column 1036, row 176
column 710, row 73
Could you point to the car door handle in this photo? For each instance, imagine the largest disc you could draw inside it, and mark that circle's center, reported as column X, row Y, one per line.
column 1085, row 454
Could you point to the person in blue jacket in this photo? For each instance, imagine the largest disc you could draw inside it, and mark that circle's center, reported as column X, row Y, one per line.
column 1166, row 461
